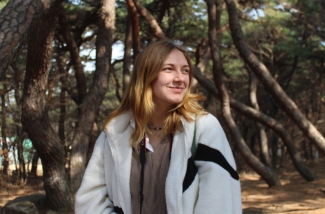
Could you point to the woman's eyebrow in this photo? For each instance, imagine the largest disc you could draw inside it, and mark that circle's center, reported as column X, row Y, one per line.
column 172, row 64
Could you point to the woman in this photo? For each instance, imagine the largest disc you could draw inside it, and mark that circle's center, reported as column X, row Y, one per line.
column 143, row 161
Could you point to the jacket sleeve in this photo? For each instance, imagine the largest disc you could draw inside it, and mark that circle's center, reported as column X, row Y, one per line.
column 92, row 196
column 219, row 186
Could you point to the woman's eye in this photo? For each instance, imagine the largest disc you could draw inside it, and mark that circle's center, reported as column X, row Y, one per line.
column 167, row 69
column 186, row 71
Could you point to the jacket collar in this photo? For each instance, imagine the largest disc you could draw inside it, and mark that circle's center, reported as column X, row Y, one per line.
column 119, row 131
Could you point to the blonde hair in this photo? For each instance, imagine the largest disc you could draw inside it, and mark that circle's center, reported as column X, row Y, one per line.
column 138, row 96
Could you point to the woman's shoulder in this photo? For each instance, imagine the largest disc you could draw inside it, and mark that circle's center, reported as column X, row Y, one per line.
column 208, row 123
column 207, row 119
column 119, row 123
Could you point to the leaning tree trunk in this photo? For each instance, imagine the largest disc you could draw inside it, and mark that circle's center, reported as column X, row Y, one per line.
column 261, row 130
column 278, row 94
column 150, row 19
column 15, row 20
column 89, row 108
column 34, row 115
column 265, row 172
column 266, row 121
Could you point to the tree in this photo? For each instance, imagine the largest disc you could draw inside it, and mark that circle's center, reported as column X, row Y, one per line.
column 214, row 12
column 90, row 105
column 265, row 120
column 35, row 116
column 273, row 87
column 13, row 29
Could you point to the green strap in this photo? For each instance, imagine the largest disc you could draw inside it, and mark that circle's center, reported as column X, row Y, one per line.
column 193, row 149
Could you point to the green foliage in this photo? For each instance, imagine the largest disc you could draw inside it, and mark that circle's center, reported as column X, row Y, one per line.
column 3, row 3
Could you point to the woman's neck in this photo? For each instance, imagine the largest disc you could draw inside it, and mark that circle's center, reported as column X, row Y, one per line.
column 158, row 119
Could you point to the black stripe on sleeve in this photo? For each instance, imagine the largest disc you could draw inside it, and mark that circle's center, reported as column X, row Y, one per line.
column 118, row 210
column 206, row 153
column 191, row 172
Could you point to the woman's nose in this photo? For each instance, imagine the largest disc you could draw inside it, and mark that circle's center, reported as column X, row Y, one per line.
column 179, row 75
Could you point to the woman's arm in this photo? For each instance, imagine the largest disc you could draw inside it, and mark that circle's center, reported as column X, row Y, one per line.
column 92, row 196
column 219, row 186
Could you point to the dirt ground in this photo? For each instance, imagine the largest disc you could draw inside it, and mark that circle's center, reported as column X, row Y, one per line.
column 295, row 196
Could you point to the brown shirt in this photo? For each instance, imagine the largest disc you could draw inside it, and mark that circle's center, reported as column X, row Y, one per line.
column 155, row 173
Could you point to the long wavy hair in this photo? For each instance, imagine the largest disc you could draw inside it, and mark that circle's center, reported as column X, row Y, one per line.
column 138, row 96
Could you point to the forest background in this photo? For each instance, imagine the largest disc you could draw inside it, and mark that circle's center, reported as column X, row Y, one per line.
column 260, row 64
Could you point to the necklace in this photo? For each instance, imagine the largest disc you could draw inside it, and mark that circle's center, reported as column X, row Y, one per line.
column 155, row 128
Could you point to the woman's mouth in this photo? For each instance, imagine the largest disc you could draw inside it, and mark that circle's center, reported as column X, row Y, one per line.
column 177, row 89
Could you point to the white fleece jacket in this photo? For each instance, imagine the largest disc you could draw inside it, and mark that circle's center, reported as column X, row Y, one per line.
column 209, row 184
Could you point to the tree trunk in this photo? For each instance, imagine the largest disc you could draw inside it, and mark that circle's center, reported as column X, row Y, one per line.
column 265, row 172
column 133, row 16
column 150, row 19
column 21, row 161
column 95, row 132
column 262, row 133
column 61, row 61
column 90, row 106
column 21, row 135
column 165, row 7
column 5, row 149
column 267, row 121
column 33, row 171
column 62, row 117
column 284, row 101
column 15, row 20
column 34, row 115
column 127, row 60
column 74, row 54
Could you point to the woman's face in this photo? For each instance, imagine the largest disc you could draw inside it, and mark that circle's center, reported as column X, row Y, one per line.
column 172, row 82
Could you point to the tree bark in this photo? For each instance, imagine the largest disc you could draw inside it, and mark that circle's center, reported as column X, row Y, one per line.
column 33, row 171
column 62, row 116
column 74, row 54
column 95, row 132
column 150, row 19
column 21, row 135
column 5, row 149
column 34, row 115
column 265, row 120
column 278, row 94
column 165, row 7
column 214, row 23
column 61, row 61
column 133, row 16
column 90, row 106
column 15, row 20
column 22, row 175
column 127, row 60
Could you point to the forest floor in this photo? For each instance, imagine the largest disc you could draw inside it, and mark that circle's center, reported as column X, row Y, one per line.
column 295, row 196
